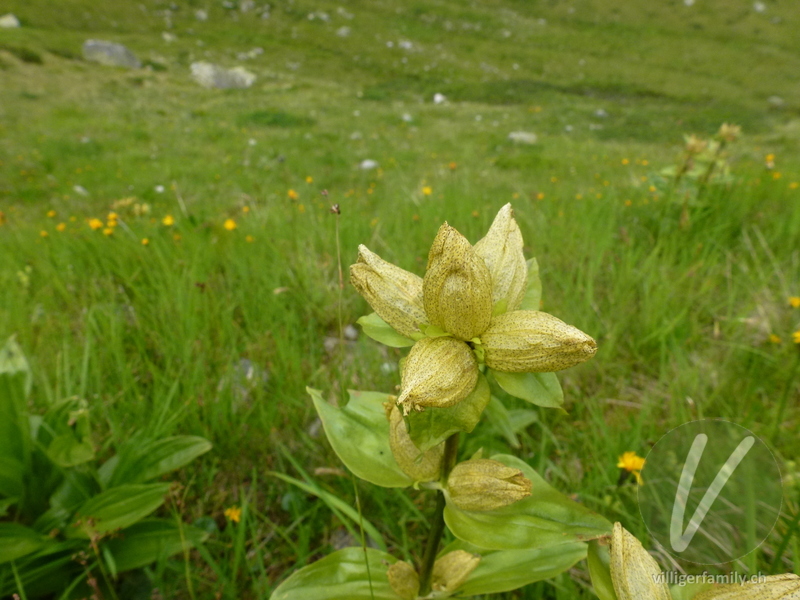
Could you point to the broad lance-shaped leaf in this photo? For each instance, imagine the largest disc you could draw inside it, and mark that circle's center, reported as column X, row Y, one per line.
column 432, row 426
column 528, row 340
column 505, row 570
column 545, row 518
column 17, row 541
column 343, row 575
column 380, row 331
column 359, row 434
column 144, row 460
column 457, row 287
column 541, row 389
column 117, row 508
column 149, row 541
column 392, row 292
column 599, row 562
column 501, row 250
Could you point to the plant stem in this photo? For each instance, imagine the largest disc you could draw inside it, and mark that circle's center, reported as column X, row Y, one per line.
column 784, row 399
column 437, row 523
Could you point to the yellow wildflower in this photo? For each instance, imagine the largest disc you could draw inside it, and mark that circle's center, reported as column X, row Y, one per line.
column 774, row 339
column 626, row 161
column 632, row 464
column 145, row 241
column 796, row 337
column 169, row 220
column 177, row 237
column 43, row 233
column 292, row 195
column 427, row 190
column 234, row 513
column 309, row 179
column 794, row 185
column 95, row 224
column 540, row 196
column 794, row 301
column 112, row 216
column 51, row 213
column 61, row 227
column 453, row 166
column 245, row 209
column 108, row 231
column 229, row 224
column 249, row 239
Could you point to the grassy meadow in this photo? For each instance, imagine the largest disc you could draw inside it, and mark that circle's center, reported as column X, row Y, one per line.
column 214, row 299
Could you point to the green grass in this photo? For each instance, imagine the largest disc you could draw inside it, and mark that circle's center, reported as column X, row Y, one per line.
column 152, row 334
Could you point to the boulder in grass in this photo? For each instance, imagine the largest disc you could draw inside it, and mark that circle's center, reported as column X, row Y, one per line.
column 9, row 21
column 110, row 54
column 213, row 76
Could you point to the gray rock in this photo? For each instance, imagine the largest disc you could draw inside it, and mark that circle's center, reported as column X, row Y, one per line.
column 9, row 21
column 368, row 164
column 110, row 54
column 201, row 15
column 776, row 101
column 214, row 76
column 522, row 137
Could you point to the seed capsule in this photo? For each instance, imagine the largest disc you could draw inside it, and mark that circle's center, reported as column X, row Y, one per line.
column 404, row 580
column 438, row 372
column 457, row 288
column 486, row 484
column 451, row 570
column 392, row 292
column 501, row 250
column 634, row 573
column 531, row 341
column 419, row 466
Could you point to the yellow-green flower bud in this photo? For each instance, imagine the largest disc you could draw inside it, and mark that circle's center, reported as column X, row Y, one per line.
column 694, row 144
column 773, row 587
column 486, row 484
column 501, row 250
column 404, row 580
column 392, row 292
column 451, row 570
column 634, row 573
column 526, row 341
column 729, row 132
column 438, row 372
column 457, row 288
column 419, row 466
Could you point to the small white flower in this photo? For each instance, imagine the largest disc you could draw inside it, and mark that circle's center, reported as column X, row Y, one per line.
column 439, row 98
column 159, row 189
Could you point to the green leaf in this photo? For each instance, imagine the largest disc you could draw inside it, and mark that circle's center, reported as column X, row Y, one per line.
column 117, row 508
column 532, row 300
column 12, row 473
column 432, row 426
column 380, row 331
column 67, row 451
column 433, row 331
column 49, row 570
column 140, row 462
column 336, row 505
column 508, row 423
column 600, row 570
column 343, row 575
column 359, row 434
column 152, row 540
column 13, row 425
column 17, row 541
column 543, row 519
column 506, row 570
column 541, row 389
